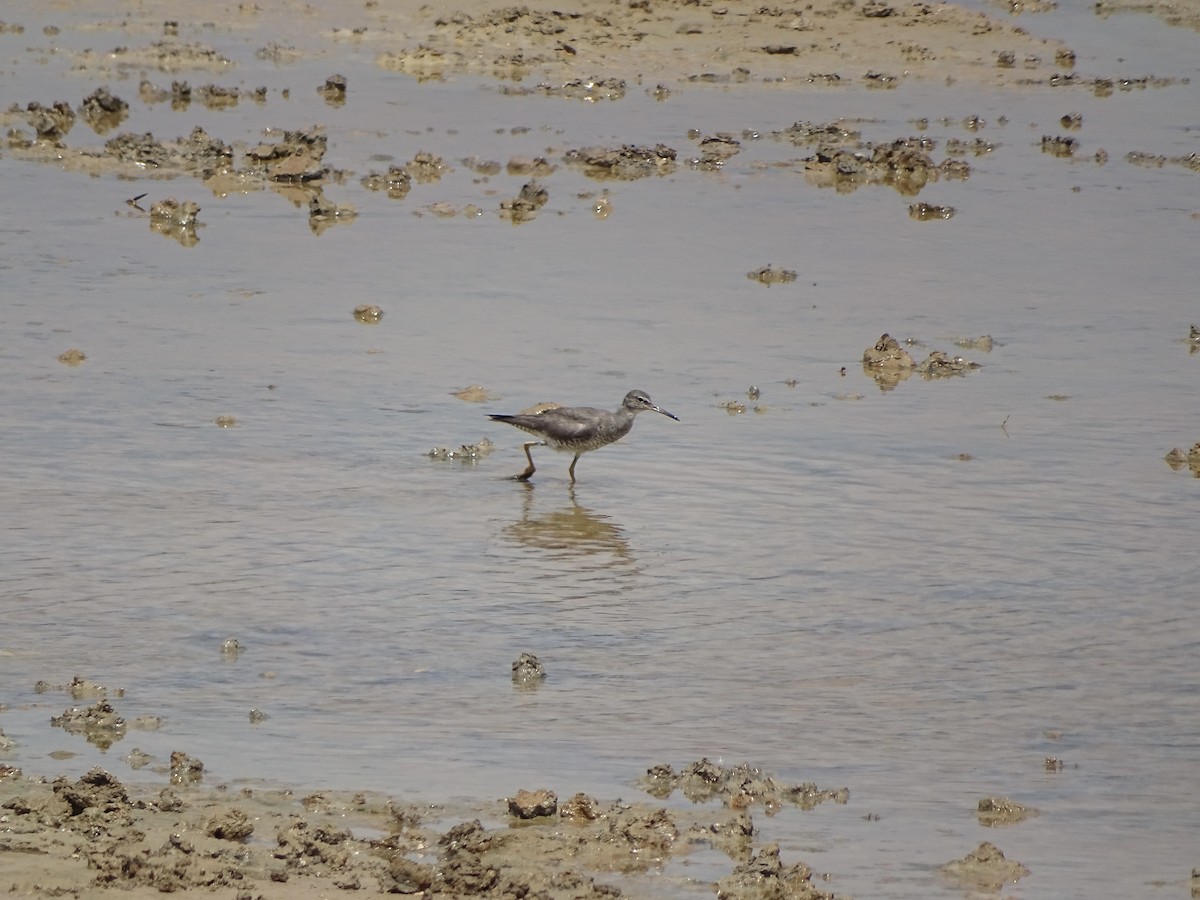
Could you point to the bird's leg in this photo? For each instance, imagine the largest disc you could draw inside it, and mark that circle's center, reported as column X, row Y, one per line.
column 572, row 469
column 528, row 473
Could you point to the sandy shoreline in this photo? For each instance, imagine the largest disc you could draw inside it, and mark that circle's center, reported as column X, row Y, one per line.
column 94, row 837
column 828, row 42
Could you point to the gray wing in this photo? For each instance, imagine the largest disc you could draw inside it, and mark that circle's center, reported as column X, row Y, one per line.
column 565, row 423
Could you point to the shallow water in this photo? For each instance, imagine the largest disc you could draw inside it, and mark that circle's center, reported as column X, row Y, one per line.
column 824, row 589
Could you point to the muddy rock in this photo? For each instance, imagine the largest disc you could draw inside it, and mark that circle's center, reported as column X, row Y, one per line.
column 397, row 182
column 994, row 812
column 736, row 786
column 229, row 825
column 984, row 342
column 315, row 848
column 533, row 194
column 652, row 833
column 959, row 147
column 527, row 670
column 985, row 867
column 1153, row 161
column 628, row 162
column 769, row 275
column 482, row 166
column 533, row 804
column 733, row 835
column 103, row 111
column 715, row 151
column 427, row 168
column 181, row 96
column 904, row 164
column 141, row 149
column 202, row 154
column 580, row 808
column 295, row 157
column 215, row 96
column 764, row 877
column 1177, row 459
column 323, row 213
column 50, row 123
column 368, row 314
column 805, row 133
column 168, row 801
column 334, row 90
column 99, row 724
column 96, row 790
column 176, row 219
column 466, row 453
column 525, row 205
column 887, row 355
column 185, row 769
column 443, row 209
column 941, row 365
column 150, row 93
column 86, row 689
column 474, row 393
column 1059, row 145
column 37, row 807
column 927, row 212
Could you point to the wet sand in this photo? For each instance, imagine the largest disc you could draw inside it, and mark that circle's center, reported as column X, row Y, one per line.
column 93, row 835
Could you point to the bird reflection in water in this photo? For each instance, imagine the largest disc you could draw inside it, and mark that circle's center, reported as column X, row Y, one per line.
column 575, row 529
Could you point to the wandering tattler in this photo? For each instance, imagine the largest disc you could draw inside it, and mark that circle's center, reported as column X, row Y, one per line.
column 578, row 429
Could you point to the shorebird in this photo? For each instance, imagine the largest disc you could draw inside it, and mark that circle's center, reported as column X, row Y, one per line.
column 578, row 429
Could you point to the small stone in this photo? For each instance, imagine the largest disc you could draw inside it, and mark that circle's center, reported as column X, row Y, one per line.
column 769, row 275
column 368, row 314
column 580, row 808
column 230, row 825
column 986, row 867
column 997, row 811
column 533, row 804
column 928, row 212
column 185, row 769
column 527, row 669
